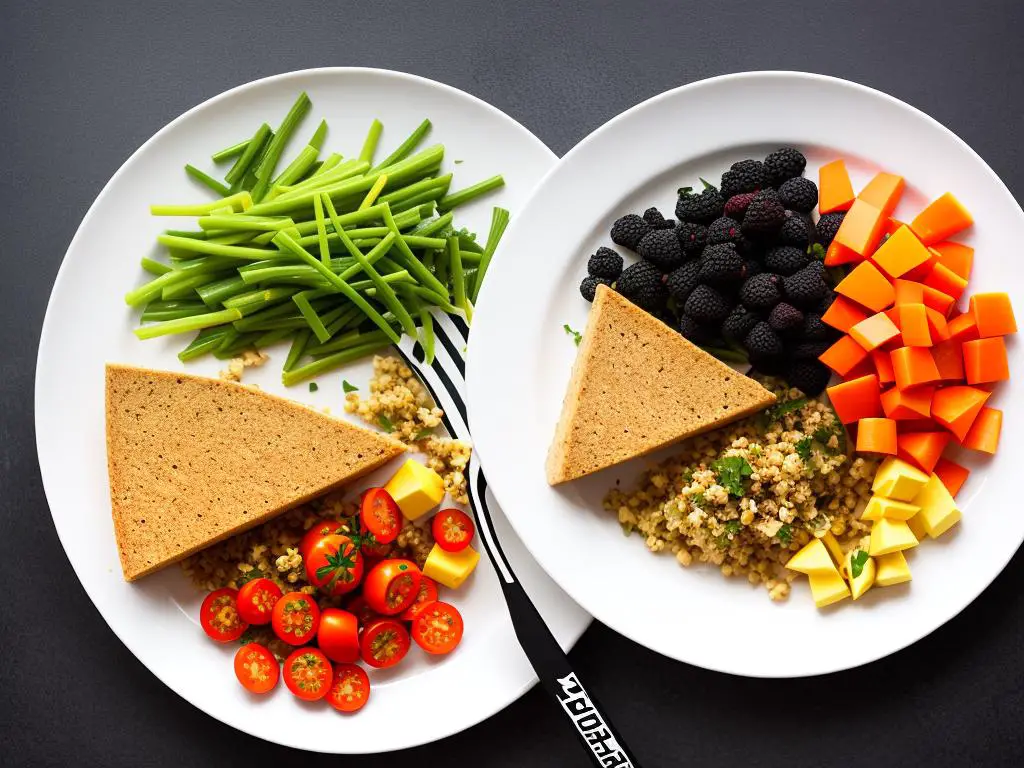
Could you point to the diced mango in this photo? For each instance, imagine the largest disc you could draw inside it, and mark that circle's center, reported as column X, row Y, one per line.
column 416, row 489
column 812, row 558
column 834, row 548
column 450, row 568
column 916, row 527
column 898, row 480
column 939, row 512
column 891, row 569
column 879, row 507
column 862, row 583
column 828, row 589
column 890, row 536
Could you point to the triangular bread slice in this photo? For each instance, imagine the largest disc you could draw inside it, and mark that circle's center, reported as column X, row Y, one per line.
column 638, row 385
column 194, row 460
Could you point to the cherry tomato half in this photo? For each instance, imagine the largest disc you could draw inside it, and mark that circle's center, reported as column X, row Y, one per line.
column 256, row 668
column 219, row 617
column 384, row 643
column 334, row 565
column 351, row 688
column 380, row 515
column 318, row 531
column 391, row 586
column 437, row 628
column 338, row 635
column 453, row 529
column 295, row 618
column 362, row 610
column 256, row 600
column 308, row 674
column 427, row 594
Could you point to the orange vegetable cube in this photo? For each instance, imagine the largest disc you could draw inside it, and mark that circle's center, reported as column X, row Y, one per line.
column 993, row 314
column 843, row 356
column 914, row 325
column 856, row 399
column 861, row 229
column 963, row 327
column 835, row 192
column 891, row 225
column 883, row 367
column 943, row 217
column 922, row 270
column 984, row 432
column 864, row 368
column 952, row 475
column 956, row 256
column 868, row 287
column 883, row 192
column 907, row 292
column 843, row 314
column 876, row 436
column 914, row 367
column 923, row 449
column 985, row 360
column 949, row 359
column 942, row 278
column 874, row 331
column 937, row 325
column 937, row 300
column 908, row 404
column 901, row 253
column 956, row 408
column 838, row 253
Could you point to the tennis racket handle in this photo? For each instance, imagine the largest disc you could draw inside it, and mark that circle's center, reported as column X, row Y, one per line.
column 592, row 726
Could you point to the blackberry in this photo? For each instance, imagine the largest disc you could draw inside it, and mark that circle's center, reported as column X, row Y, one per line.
column 661, row 248
column 699, row 208
column 653, row 217
column 785, row 259
column 744, row 176
column 692, row 237
column 720, row 264
column 761, row 291
column 699, row 333
column 783, row 164
column 770, row 366
column 814, row 329
column 762, row 341
column 785, row 317
column 807, row 287
column 588, row 288
column 765, row 215
column 827, row 227
column 796, row 232
column 628, row 231
column 641, row 283
column 682, row 281
column 808, row 350
column 739, row 323
column 752, row 267
column 799, row 194
column 809, row 376
column 724, row 230
column 605, row 263
column 706, row 305
column 737, row 205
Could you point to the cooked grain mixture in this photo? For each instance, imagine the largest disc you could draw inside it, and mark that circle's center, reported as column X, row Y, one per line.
column 748, row 496
column 250, row 358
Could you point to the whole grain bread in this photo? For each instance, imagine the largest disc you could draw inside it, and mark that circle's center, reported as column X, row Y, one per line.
column 638, row 385
column 194, row 460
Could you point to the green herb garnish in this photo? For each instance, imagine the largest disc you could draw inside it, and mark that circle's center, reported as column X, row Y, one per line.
column 733, row 527
column 697, row 500
column 313, row 386
column 803, row 448
column 731, row 472
column 348, row 387
column 785, row 533
column 423, row 434
column 817, row 251
column 576, row 335
column 385, row 423
column 857, row 562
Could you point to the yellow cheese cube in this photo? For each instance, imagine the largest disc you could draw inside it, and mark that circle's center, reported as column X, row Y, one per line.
column 891, row 569
column 879, row 507
column 890, row 536
column 916, row 525
column 416, row 489
column 834, row 548
column 939, row 512
column 896, row 479
column 828, row 588
column 450, row 568
column 862, row 583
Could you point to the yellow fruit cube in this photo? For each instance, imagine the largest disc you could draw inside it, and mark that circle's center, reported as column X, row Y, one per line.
column 416, row 489
column 896, row 479
column 812, row 558
column 879, row 507
column 828, row 588
column 916, row 525
column 890, row 536
column 891, row 569
column 834, row 548
column 939, row 512
column 450, row 568
column 863, row 582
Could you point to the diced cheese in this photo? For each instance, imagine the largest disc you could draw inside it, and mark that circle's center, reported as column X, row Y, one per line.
column 890, row 536
column 879, row 507
column 898, row 480
column 891, row 569
column 939, row 512
column 828, row 589
column 416, row 489
column 450, row 568
column 862, row 583
column 812, row 558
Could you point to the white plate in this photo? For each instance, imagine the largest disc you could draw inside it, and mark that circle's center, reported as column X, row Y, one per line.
column 88, row 324
column 520, row 358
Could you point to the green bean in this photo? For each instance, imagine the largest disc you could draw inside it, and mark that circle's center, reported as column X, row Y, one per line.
column 370, row 143
column 213, row 292
column 205, row 341
column 442, row 265
column 375, row 341
column 423, row 185
column 265, row 170
column 251, row 322
column 286, row 273
column 239, row 201
column 206, row 180
column 499, row 221
column 342, row 171
column 229, row 152
column 330, row 162
column 171, row 310
column 427, row 335
column 414, row 265
column 155, row 267
column 468, row 243
column 241, row 166
column 434, row 226
column 194, row 234
column 336, row 344
column 244, row 223
column 312, row 319
column 469, row 258
column 181, row 325
column 459, row 279
column 429, row 296
column 272, row 337
column 418, row 200
column 371, row 195
column 321, row 231
column 297, row 168
column 345, row 318
column 187, row 287
column 406, row 146
column 299, row 341
column 415, row 241
column 243, row 342
column 262, row 296
column 317, row 142
column 214, row 249
column 463, row 196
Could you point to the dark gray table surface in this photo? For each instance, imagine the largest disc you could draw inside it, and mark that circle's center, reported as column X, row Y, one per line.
column 83, row 84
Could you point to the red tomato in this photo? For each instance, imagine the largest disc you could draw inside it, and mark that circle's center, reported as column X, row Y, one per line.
column 334, row 565
column 256, row 600
column 391, row 586
column 437, row 628
column 373, row 549
column 219, row 617
column 295, row 618
column 427, row 594
column 452, row 529
column 362, row 610
column 256, row 668
column 318, row 531
column 380, row 515
column 338, row 635
column 308, row 674
column 351, row 688
column 384, row 643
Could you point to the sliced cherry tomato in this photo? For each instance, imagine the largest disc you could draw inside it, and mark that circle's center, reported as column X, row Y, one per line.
column 351, row 688
column 256, row 668
column 219, row 615
column 256, row 600
column 391, row 586
column 437, row 628
column 362, row 610
column 384, row 643
column 453, row 529
column 373, row 549
column 296, row 618
column 318, row 531
column 338, row 635
column 308, row 674
column 427, row 594
column 380, row 515
column 334, row 565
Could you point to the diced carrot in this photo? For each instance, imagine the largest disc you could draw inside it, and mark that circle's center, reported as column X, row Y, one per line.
column 942, row 278
column 985, row 360
column 856, row 399
column 883, row 367
column 956, row 256
column 861, row 228
column 937, row 300
column 908, row 404
column 907, row 292
column 952, row 475
column 937, row 325
column 844, row 355
column 956, row 408
column 949, row 359
column 917, row 424
column 993, row 314
column 891, row 225
column 984, row 432
column 922, row 270
column 838, row 254
column 900, row 254
column 835, row 192
column 883, row 192
column 914, row 325
column 942, row 218
column 913, row 367
column 963, row 327
column 843, row 314
column 878, row 436
column 922, row 448
column 873, row 332
column 868, row 287
column 865, row 367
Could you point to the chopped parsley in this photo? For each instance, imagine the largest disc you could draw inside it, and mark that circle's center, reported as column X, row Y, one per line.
column 348, row 387
column 817, row 251
column 576, row 335
column 697, row 500
column 857, row 562
column 785, row 533
column 731, row 472
column 776, row 412
column 458, row 162
column 423, row 434
column 313, row 386
column 733, row 527
column 385, row 423
column 803, row 448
